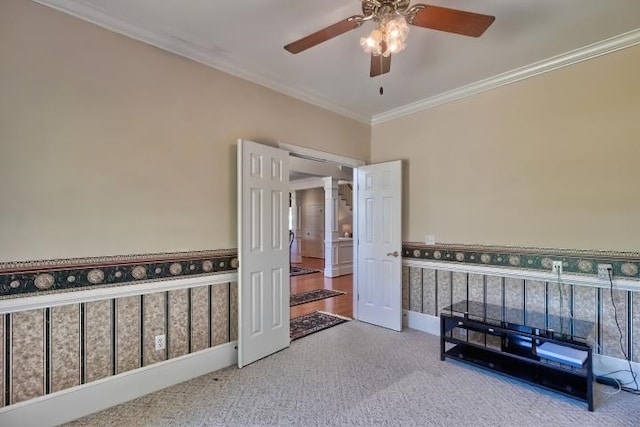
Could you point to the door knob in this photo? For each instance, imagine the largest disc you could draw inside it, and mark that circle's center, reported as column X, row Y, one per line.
column 393, row 254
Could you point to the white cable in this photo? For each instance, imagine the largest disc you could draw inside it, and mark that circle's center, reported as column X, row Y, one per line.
column 615, row 316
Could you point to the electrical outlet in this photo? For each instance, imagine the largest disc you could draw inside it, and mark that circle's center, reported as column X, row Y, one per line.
column 161, row 342
column 603, row 271
column 430, row 239
column 556, row 267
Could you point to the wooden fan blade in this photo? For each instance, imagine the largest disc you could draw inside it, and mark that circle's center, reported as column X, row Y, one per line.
column 325, row 34
column 452, row 20
column 380, row 65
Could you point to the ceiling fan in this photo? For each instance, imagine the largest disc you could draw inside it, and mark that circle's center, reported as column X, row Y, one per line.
column 393, row 18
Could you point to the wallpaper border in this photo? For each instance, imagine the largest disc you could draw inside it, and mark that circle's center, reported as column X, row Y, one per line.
column 584, row 262
column 38, row 277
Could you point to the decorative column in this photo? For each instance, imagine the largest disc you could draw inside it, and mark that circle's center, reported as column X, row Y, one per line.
column 331, row 231
column 297, row 229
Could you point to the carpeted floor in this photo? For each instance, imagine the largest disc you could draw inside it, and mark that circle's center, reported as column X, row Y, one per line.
column 317, row 321
column 362, row 375
column 313, row 295
column 298, row 271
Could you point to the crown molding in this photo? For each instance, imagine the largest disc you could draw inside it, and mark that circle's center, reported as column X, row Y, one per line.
column 210, row 57
column 218, row 60
column 585, row 53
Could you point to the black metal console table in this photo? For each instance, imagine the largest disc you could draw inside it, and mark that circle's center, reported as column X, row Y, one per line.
column 547, row 351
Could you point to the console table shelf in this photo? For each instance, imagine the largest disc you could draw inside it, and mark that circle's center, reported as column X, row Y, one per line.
column 515, row 345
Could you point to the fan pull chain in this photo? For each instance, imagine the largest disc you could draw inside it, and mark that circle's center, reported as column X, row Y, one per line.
column 381, row 78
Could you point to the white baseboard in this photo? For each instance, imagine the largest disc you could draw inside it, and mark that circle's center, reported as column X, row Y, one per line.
column 346, row 268
column 338, row 270
column 330, row 272
column 76, row 402
column 423, row 322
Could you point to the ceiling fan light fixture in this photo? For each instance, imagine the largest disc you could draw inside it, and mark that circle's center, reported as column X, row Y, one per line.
column 371, row 44
column 396, row 31
column 389, row 38
column 397, row 28
column 394, row 47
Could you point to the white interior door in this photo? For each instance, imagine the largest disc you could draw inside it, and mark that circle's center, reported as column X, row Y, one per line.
column 263, row 240
column 378, row 241
column 313, row 230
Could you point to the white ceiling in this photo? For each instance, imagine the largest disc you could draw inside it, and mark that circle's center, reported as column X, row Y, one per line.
column 246, row 38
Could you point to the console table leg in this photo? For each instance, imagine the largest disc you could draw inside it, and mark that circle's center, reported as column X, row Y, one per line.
column 442, row 338
column 590, row 379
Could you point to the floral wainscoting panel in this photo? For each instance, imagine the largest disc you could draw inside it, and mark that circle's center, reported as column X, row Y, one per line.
column 37, row 277
column 625, row 264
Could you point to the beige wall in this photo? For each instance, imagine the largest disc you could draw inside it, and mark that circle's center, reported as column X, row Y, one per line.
column 110, row 146
column 552, row 161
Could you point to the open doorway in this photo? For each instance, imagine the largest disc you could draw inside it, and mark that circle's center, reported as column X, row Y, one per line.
column 263, row 249
column 321, row 224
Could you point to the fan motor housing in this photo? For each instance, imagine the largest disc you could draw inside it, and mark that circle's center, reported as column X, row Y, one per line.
column 381, row 8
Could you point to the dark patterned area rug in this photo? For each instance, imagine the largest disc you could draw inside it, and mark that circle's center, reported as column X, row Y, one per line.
column 297, row 271
column 302, row 326
column 314, row 295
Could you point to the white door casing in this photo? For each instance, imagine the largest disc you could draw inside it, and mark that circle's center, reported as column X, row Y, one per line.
column 378, row 244
column 263, row 250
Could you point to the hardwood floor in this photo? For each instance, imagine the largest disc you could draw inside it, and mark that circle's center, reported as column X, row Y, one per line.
column 341, row 305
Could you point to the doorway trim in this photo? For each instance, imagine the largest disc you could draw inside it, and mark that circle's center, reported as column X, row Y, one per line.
column 321, row 156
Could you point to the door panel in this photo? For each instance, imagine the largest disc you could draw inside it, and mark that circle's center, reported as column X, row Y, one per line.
column 313, row 230
column 277, row 220
column 256, row 207
column 378, row 246
column 263, row 188
column 277, row 298
column 256, row 303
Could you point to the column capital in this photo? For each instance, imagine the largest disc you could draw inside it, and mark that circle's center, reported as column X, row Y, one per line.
column 330, row 183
